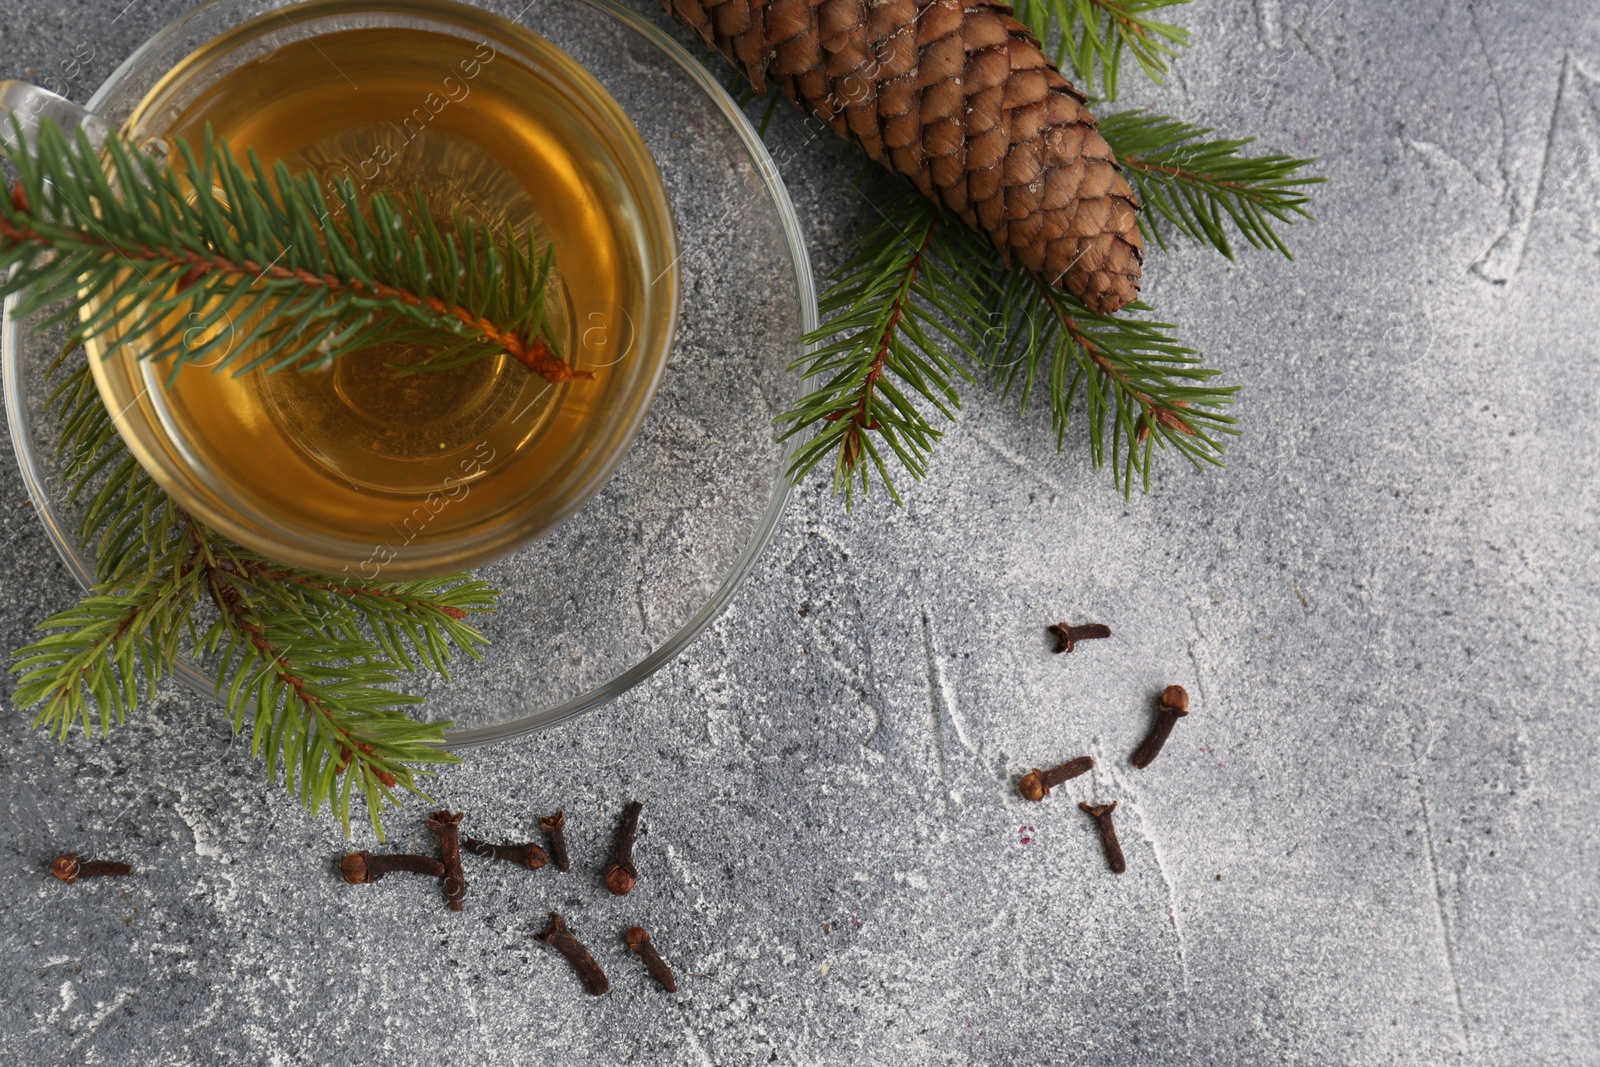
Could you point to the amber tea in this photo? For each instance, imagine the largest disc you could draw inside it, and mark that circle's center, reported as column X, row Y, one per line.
column 368, row 463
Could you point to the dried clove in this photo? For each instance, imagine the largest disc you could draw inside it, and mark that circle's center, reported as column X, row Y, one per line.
column 69, row 868
column 639, row 942
column 448, row 826
column 359, row 868
column 1067, row 637
column 1172, row 706
column 558, row 937
column 527, row 854
column 621, row 873
column 555, row 826
column 1101, row 814
column 1036, row 784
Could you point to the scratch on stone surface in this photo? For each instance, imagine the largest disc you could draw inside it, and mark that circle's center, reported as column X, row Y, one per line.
column 1456, row 173
column 199, row 833
column 644, row 616
column 1505, row 256
column 1588, row 133
column 1499, row 96
column 480, row 1049
column 1017, row 461
column 876, row 729
column 936, row 720
column 212, row 1010
column 1132, row 805
column 205, row 846
column 99, row 1017
column 1131, row 794
column 1172, row 910
column 720, row 726
column 1443, row 919
column 939, row 693
column 699, row 1048
column 1549, row 144
column 1521, row 221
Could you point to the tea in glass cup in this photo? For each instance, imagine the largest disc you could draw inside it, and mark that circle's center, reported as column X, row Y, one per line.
column 372, row 463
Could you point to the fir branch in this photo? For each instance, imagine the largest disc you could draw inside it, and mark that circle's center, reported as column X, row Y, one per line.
column 1092, row 35
column 920, row 304
column 1197, row 187
column 127, row 521
column 131, row 249
column 309, row 660
column 912, row 287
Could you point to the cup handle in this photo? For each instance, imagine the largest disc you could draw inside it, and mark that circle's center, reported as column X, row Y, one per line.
column 31, row 105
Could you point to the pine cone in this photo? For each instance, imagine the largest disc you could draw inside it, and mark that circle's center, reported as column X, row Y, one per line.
column 957, row 96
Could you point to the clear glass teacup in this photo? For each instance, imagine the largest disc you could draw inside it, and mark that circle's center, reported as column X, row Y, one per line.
column 368, row 465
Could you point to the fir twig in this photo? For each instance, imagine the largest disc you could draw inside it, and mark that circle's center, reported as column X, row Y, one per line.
column 912, row 287
column 1140, row 387
column 1092, row 36
column 124, row 247
column 1197, row 186
column 322, row 706
column 96, row 655
column 309, row 661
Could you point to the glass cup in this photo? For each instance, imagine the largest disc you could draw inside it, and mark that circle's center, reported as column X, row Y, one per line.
column 597, row 605
column 357, row 466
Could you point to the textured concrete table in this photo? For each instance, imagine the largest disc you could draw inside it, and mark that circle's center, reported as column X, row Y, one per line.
column 1372, row 842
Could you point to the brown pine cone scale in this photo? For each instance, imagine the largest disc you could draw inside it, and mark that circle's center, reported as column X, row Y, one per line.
column 957, row 96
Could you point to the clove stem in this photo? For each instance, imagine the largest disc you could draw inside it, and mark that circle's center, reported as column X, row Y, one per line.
column 1101, row 813
column 1067, row 637
column 1172, row 706
column 555, row 826
column 558, row 937
column 447, row 825
column 360, row 868
column 1036, row 784
column 639, row 942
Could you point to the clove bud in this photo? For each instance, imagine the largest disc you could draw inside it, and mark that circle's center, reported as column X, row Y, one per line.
column 555, row 826
column 447, row 825
column 639, row 942
column 1172, row 706
column 1101, row 814
column 1036, row 784
column 69, row 868
column 526, row 855
column 621, row 874
column 1067, row 637
column 359, row 868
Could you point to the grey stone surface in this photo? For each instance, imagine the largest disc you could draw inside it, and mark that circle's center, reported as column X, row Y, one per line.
column 1372, row 842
